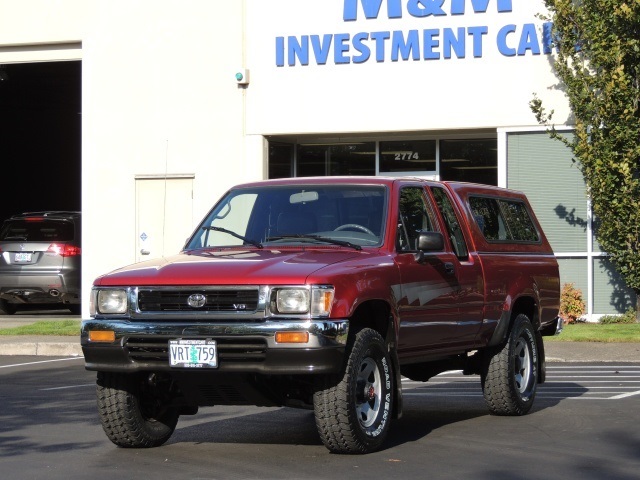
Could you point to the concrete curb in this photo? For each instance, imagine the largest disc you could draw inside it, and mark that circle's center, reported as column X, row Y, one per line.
column 592, row 352
column 41, row 345
column 47, row 349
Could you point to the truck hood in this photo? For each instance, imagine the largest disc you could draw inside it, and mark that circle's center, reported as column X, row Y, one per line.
column 230, row 267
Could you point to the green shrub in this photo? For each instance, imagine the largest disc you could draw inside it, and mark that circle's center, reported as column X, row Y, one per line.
column 627, row 317
column 571, row 303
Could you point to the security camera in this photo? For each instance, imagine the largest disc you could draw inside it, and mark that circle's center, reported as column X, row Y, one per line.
column 242, row 77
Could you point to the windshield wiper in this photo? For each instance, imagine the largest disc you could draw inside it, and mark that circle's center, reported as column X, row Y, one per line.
column 342, row 243
column 234, row 234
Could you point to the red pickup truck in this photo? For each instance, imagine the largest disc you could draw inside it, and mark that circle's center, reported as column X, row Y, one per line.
column 322, row 293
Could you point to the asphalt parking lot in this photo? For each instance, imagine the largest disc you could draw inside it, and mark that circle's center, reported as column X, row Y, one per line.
column 583, row 425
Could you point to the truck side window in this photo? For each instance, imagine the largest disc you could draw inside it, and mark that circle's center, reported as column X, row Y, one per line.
column 503, row 220
column 414, row 217
column 488, row 217
column 452, row 223
column 520, row 225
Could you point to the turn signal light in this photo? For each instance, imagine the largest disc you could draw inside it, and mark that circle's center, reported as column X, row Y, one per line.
column 102, row 336
column 292, row 337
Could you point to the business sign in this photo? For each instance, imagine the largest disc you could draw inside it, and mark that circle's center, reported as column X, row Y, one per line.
column 425, row 44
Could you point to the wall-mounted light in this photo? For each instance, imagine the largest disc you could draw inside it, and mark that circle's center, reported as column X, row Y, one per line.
column 242, row 77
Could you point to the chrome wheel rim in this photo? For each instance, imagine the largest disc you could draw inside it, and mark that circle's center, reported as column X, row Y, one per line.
column 368, row 392
column 522, row 365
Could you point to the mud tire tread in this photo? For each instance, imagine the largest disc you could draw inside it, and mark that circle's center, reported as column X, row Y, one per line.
column 498, row 384
column 118, row 399
column 335, row 413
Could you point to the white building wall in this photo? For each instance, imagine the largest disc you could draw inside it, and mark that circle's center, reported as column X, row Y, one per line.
column 160, row 98
column 29, row 22
column 490, row 90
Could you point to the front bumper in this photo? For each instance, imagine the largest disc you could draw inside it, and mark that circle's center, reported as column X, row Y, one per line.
column 242, row 347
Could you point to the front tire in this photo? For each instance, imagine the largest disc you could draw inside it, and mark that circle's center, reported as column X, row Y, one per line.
column 133, row 413
column 353, row 412
column 510, row 374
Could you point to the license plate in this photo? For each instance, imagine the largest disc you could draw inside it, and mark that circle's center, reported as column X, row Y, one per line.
column 193, row 353
column 22, row 257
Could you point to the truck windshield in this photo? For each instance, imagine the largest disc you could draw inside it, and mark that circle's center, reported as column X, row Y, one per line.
column 300, row 215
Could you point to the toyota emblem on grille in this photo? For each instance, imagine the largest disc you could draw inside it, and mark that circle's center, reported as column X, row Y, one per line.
column 196, row 300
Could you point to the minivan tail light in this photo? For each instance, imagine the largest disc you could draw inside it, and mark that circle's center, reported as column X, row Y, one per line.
column 63, row 249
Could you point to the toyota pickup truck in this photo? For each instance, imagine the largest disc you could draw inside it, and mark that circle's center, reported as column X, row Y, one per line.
column 324, row 293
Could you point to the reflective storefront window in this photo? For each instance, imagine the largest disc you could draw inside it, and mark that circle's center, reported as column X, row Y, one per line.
column 408, row 156
column 469, row 161
column 334, row 160
column 280, row 160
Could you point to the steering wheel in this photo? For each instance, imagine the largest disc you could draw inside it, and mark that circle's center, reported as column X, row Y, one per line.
column 354, row 226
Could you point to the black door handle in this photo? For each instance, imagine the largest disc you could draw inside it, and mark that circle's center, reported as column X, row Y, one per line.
column 449, row 268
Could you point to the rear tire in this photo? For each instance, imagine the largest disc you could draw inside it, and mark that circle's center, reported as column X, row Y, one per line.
column 133, row 413
column 353, row 412
column 7, row 308
column 510, row 374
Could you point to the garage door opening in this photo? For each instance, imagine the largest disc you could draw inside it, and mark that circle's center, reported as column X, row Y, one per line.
column 40, row 139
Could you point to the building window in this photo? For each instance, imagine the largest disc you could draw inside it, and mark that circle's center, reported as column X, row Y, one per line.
column 337, row 159
column 408, row 156
column 468, row 160
column 473, row 161
column 280, row 160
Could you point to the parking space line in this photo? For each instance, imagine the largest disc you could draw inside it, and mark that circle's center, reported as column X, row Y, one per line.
column 596, row 376
column 625, row 395
column 586, row 367
column 41, row 361
column 68, row 387
column 572, row 382
column 594, row 381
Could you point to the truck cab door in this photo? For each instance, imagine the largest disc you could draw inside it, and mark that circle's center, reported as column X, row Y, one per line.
column 466, row 266
column 441, row 292
column 428, row 290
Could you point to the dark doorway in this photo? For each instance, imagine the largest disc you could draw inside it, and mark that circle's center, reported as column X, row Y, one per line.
column 40, row 137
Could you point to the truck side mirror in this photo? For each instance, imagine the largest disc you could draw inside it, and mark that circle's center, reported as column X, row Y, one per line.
column 429, row 242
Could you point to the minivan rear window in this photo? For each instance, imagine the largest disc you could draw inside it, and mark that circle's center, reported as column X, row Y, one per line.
column 503, row 220
column 36, row 231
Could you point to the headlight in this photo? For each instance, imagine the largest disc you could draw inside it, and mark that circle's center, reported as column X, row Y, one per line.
column 110, row 301
column 316, row 300
column 292, row 300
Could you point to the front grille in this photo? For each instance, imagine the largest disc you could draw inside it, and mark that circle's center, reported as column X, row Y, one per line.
column 216, row 300
column 230, row 350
